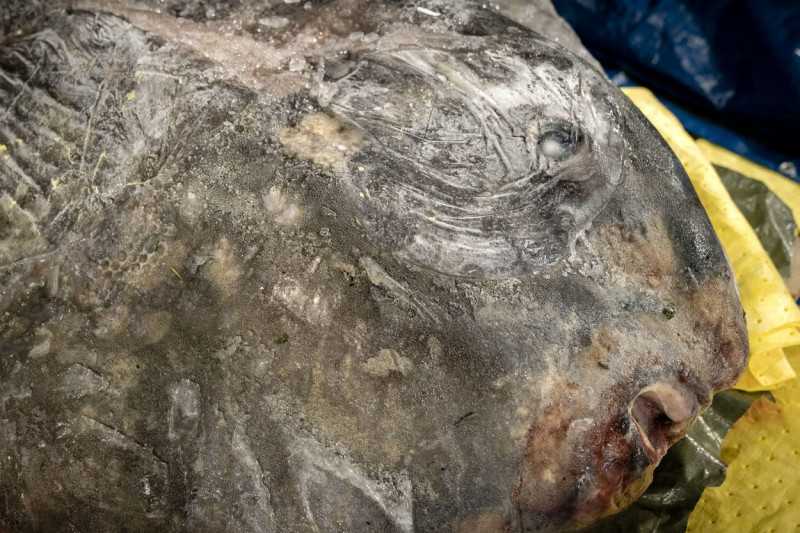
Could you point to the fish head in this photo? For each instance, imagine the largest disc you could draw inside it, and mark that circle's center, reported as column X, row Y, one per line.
column 634, row 379
column 510, row 163
column 663, row 331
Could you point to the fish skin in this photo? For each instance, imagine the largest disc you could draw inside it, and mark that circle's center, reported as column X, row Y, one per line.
column 214, row 314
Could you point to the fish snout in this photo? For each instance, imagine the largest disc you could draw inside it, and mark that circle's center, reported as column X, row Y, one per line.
column 662, row 412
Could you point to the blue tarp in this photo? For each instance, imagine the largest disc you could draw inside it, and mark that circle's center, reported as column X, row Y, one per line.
column 730, row 69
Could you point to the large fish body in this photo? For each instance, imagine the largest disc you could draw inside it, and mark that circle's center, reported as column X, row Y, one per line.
column 338, row 266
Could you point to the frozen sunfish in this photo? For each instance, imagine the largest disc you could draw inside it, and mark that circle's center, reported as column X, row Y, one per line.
column 342, row 266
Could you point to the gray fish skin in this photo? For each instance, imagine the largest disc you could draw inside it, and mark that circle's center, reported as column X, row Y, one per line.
column 338, row 266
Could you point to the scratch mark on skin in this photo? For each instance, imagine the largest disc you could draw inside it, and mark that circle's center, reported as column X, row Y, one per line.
column 188, row 130
column 101, row 91
column 80, row 68
column 22, row 90
column 21, row 174
column 114, row 436
column 430, row 114
column 196, row 36
column 97, row 166
column 397, row 290
column 42, row 255
column 466, row 416
column 61, row 213
column 140, row 73
column 308, row 461
column 10, row 81
column 92, row 111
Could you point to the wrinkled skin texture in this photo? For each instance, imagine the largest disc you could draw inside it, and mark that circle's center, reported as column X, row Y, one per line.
column 242, row 292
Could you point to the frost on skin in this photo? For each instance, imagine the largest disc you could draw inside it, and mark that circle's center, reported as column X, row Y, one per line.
column 184, row 409
column 386, row 362
column 281, row 208
column 484, row 165
column 78, row 381
column 320, row 138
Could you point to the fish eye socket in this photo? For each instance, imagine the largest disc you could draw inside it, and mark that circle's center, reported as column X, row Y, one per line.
column 559, row 141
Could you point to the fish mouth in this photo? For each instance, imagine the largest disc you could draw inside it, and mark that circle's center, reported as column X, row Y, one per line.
column 662, row 413
column 619, row 461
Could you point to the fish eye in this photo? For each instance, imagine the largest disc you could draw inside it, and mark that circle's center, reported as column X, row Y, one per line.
column 559, row 141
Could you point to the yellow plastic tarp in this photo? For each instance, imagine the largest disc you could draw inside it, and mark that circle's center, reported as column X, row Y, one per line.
column 773, row 318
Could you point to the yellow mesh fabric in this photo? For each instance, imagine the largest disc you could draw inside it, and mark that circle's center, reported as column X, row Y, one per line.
column 773, row 318
column 761, row 492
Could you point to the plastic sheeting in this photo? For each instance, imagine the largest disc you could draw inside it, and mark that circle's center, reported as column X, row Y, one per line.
column 736, row 62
